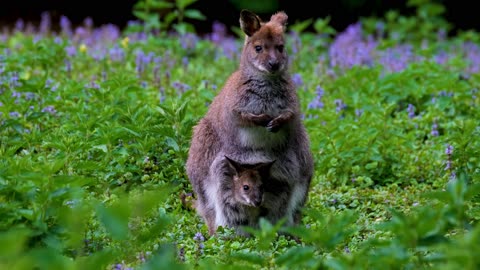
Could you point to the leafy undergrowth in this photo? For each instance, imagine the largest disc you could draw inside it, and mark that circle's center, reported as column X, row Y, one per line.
column 95, row 128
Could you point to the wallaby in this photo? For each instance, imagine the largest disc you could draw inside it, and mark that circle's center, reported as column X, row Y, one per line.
column 235, row 195
column 257, row 115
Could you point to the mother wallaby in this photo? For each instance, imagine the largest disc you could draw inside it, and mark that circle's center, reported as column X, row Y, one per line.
column 256, row 117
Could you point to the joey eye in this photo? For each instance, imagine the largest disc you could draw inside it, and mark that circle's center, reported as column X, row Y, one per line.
column 280, row 48
column 246, row 187
column 258, row 48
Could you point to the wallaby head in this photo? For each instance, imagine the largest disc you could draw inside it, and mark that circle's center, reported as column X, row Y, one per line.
column 248, row 181
column 264, row 48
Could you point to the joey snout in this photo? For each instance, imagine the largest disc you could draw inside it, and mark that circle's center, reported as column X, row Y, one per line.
column 257, row 202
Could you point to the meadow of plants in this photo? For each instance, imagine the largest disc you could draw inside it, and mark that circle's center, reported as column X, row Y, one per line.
column 95, row 126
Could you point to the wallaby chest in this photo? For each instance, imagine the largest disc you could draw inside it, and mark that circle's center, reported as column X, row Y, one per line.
column 264, row 98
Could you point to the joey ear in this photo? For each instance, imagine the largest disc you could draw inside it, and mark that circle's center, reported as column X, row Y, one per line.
column 249, row 22
column 235, row 165
column 264, row 166
column 280, row 18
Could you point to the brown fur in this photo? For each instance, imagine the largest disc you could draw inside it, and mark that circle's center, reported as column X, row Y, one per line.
column 256, row 117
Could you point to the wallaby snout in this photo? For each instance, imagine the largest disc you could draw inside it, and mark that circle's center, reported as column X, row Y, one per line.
column 257, row 201
column 273, row 65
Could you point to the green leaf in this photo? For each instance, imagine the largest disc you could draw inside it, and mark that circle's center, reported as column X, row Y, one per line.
column 159, row 5
column 472, row 191
column 172, row 143
column 296, row 256
column 194, row 14
column 144, row 16
column 12, row 242
column 98, row 260
column 115, row 219
column 251, row 257
column 102, row 147
column 182, row 4
column 299, row 27
column 163, row 258
column 180, row 111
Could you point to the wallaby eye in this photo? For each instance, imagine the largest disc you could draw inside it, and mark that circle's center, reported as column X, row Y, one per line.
column 246, row 187
column 258, row 48
column 280, row 48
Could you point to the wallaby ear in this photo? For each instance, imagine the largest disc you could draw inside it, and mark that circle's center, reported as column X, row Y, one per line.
column 249, row 22
column 235, row 165
column 280, row 18
column 264, row 166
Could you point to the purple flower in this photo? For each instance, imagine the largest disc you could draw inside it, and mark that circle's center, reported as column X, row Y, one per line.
column 434, row 131
column 117, row 54
column 141, row 61
column 19, row 25
column 472, row 53
column 199, row 237
column 397, row 58
column 297, row 79
column 219, row 31
column 380, row 29
column 98, row 54
column 448, row 165
column 445, row 93
column 93, row 85
column 189, row 41
column 48, row 83
column 229, row 48
column 340, row 106
column 358, row 112
column 449, row 150
column 453, row 176
column 14, row 80
column 411, row 111
column 185, row 61
column 80, row 33
column 350, row 48
column 88, row 22
column 317, row 103
column 49, row 109
column 181, row 87
column 29, row 95
column 14, row 114
column 297, row 42
column 16, row 94
column 65, row 25
column 71, row 50
column 45, row 22
column 68, row 67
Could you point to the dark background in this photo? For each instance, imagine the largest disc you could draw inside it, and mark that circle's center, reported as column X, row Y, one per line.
column 463, row 15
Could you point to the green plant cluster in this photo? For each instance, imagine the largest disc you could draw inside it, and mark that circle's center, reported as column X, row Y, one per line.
column 94, row 139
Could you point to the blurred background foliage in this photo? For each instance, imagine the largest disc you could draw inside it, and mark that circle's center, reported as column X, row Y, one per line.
column 95, row 129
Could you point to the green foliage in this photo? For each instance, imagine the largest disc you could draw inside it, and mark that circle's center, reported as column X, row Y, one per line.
column 427, row 23
column 93, row 151
column 160, row 15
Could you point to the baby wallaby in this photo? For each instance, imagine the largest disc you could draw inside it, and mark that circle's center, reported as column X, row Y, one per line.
column 257, row 113
column 247, row 181
column 234, row 200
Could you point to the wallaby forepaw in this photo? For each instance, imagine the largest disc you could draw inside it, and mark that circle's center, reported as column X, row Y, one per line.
column 273, row 126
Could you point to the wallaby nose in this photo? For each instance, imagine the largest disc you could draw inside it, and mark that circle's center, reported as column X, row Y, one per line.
column 274, row 65
column 257, row 202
